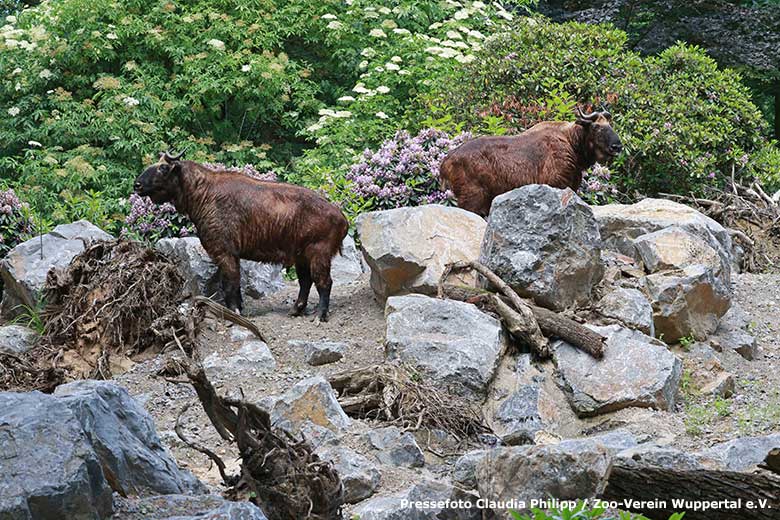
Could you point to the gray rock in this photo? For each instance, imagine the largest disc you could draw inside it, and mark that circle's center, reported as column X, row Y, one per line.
column 636, row 370
column 526, row 473
column 312, row 399
column 396, row 448
column 48, row 469
column 318, row 353
column 630, row 307
column 451, row 342
column 359, row 476
column 407, row 249
column 82, row 230
column 347, row 266
column 257, row 279
column 686, row 302
column 744, row 453
column 24, row 270
column 621, row 224
column 518, row 416
column 613, row 442
column 464, row 472
column 16, row 339
column 664, row 457
column 706, row 372
column 253, row 357
column 545, row 243
column 319, row 436
column 732, row 334
column 405, row 504
column 185, row 507
column 124, row 438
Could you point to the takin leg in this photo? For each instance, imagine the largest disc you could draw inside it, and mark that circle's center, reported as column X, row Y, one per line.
column 320, row 273
column 230, row 274
column 304, row 287
column 475, row 200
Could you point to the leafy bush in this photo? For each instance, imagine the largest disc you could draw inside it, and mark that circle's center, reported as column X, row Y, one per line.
column 15, row 222
column 150, row 222
column 582, row 512
column 404, row 171
column 684, row 123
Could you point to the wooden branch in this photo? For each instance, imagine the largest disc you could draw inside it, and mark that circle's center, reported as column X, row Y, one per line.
column 550, row 323
column 638, row 482
column 227, row 480
column 522, row 328
column 222, row 312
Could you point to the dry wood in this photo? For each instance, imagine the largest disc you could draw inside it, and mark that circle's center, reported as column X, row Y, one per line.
column 643, row 482
column 519, row 326
column 222, row 312
column 551, row 324
column 281, row 474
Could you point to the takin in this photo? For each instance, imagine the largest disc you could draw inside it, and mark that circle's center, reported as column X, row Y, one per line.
column 238, row 217
column 553, row 152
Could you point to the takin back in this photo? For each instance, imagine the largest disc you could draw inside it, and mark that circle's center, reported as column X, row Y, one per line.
column 240, row 217
column 554, row 153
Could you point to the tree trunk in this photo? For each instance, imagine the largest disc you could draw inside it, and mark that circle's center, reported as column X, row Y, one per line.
column 747, row 496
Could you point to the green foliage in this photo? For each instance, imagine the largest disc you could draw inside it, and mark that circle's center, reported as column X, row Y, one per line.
column 685, row 124
column 582, row 511
column 32, row 317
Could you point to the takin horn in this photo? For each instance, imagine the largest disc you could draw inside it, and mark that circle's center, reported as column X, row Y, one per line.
column 586, row 117
column 171, row 158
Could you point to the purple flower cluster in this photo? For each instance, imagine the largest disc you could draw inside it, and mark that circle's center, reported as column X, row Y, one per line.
column 248, row 169
column 14, row 223
column 596, row 187
column 150, row 221
column 404, row 171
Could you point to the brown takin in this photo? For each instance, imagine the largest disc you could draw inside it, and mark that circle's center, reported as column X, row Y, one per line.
column 238, row 217
column 554, row 153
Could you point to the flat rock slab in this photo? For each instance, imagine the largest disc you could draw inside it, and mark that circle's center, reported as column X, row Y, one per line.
column 404, row 504
column 253, row 357
column 186, row 507
column 452, row 343
column 407, row 249
column 396, row 448
column 545, row 243
column 744, row 453
column 636, row 370
column 48, row 468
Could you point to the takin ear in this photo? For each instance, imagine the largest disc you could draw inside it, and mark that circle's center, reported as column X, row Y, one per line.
column 169, row 168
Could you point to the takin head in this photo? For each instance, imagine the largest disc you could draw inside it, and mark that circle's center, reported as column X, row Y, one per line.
column 601, row 141
column 160, row 181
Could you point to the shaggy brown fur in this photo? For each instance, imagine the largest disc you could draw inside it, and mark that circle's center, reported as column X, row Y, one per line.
column 553, row 153
column 240, row 217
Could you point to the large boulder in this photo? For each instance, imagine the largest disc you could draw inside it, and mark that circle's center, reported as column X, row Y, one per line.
column 257, row 279
column 526, row 474
column 545, row 243
column 48, row 469
column 82, row 230
column 636, row 370
column 743, row 453
column 312, row 399
column 16, row 339
column 407, row 249
column 254, row 357
column 24, row 268
column 621, row 224
column 124, row 437
column 452, row 343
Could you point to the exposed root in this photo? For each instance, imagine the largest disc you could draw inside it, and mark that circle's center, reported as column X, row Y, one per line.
column 397, row 395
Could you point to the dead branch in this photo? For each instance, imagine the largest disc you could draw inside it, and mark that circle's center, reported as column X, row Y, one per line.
column 222, row 312
column 229, row 481
column 283, row 475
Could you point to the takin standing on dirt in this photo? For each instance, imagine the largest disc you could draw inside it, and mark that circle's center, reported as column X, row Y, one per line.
column 553, row 152
column 240, row 217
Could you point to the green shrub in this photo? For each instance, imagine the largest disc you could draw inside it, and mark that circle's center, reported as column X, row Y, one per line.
column 684, row 123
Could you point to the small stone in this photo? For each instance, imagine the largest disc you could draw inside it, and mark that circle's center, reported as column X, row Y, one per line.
column 318, row 353
column 359, row 476
column 630, row 307
column 254, row 356
column 396, row 448
column 312, row 399
column 16, row 339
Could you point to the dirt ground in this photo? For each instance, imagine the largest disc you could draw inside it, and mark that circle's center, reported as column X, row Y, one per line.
column 357, row 319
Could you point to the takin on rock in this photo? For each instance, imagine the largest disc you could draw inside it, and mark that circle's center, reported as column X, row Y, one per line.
column 553, row 152
column 240, row 217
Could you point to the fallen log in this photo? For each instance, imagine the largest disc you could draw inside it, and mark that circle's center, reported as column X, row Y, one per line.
column 550, row 323
column 658, row 492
